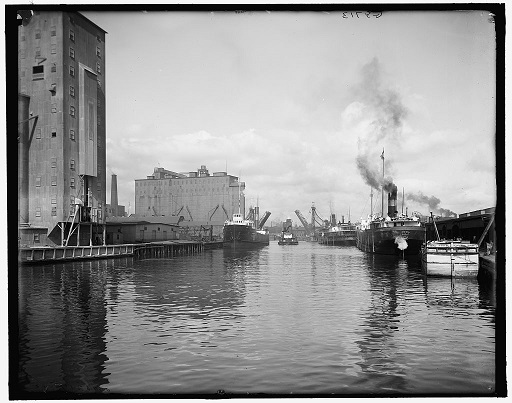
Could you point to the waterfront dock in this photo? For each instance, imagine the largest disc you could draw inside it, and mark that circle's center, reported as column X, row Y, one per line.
column 150, row 250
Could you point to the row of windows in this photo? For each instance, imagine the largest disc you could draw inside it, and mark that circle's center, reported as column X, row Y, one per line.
column 38, row 71
column 184, row 182
column 54, row 213
column 72, row 135
column 72, row 181
column 53, row 32
column 71, row 163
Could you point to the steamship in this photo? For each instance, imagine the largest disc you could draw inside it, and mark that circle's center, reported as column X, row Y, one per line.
column 338, row 234
column 241, row 233
column 391, row 235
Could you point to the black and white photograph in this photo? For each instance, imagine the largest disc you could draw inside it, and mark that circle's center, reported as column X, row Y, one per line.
column 256, row 201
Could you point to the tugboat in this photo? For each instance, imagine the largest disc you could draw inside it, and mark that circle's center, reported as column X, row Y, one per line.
column 287, row 237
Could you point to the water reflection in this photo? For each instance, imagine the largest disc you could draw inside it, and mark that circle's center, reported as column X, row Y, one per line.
column 275, row 320
column 62, row 327
column 381, row 321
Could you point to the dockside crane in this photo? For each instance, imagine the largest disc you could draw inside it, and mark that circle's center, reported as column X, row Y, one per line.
column 214, row 210
column 304, row 222
column 190, row 214
column 264, row 219
column 225, row 212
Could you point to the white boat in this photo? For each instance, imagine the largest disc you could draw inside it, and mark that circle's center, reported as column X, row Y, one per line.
column 450, row 258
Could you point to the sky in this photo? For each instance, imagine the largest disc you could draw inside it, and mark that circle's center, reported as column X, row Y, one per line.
column 301, row 105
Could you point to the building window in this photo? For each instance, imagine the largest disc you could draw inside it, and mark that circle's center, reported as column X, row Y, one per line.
column 54, row 200
column 98, row 67
column 98, row 103
column 38, row 181
column 54, row 67
column 54, row 210
column 72, row 111
column 72, row 134
column 72, row 182
column 38, row 52
column 54, row 108
column 99, row 83
column 53, row 31
column 72, row 71
column 72, row 35
column 72, row 91
column 38, row 34
column 98, row 51
column 72, row 53
column 72, row 165
column 38, row 72
column 98, row 187
column 38, row 133
column 54, row 132
column 54, row 180
column 54, row 162
column 38, row 211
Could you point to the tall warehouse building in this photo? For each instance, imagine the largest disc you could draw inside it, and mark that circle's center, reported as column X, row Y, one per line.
column 61, row 126
column 197, row 196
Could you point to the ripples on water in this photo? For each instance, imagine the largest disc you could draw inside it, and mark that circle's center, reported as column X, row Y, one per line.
column 283, row 319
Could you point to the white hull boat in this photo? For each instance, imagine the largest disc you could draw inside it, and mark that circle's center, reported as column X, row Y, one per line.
column 450, row 258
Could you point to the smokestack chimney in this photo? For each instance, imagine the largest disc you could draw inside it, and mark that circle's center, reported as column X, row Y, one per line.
column 392, row 201
column 113, row 195
column 333, row 219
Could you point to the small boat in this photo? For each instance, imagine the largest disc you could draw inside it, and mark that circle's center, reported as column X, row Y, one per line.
column 287, row 238
column 450, row 258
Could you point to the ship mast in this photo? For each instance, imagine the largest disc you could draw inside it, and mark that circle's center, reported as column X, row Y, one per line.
column 239, row 212
column 371, row 203
column 382, row 190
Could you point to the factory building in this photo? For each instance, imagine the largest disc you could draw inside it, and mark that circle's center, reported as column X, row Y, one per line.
column 61, row 128
column 200, row 197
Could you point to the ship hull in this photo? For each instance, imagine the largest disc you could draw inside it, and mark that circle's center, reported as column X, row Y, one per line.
column 287, row 242
column 450, row 259
column 383, row 241
column 243, row 237
column 338, row 239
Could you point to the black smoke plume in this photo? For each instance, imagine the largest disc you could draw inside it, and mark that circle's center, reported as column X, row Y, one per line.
column 386, row 102
column 432, row 202
column 389, row 112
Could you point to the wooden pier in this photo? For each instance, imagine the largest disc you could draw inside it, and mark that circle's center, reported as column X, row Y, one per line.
column 151, row 250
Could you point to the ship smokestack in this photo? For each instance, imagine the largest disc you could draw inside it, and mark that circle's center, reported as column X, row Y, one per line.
column 333, row 219
column 113, row 195
column 392, row 201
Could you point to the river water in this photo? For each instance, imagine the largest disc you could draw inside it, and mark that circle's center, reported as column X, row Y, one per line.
column 304, row 319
